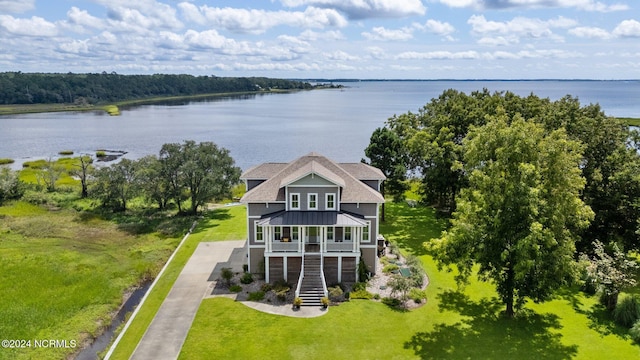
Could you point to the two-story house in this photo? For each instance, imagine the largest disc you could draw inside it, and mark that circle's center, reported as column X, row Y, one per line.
column 312, row 220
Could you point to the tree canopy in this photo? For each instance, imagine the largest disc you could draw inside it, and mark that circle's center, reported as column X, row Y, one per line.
column 610, row 164
column 519, row 215
column 41, row 88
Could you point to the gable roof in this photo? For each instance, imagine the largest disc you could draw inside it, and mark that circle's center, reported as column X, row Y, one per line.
column 347, row 176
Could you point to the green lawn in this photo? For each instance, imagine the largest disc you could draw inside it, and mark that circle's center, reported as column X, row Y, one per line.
column 63, row 272
column 227, row 223
column 454, row 324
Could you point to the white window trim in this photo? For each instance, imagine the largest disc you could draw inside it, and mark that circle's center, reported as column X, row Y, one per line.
column 309, row 195
column 368, row 239
column 291, row 195
column 256, row 232
column 333, row 233
column 344, row 233
column 295, row 233
column 279, row 231
column 326, row 201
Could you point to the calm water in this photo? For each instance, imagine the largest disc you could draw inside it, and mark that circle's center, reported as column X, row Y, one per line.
column 275, row 127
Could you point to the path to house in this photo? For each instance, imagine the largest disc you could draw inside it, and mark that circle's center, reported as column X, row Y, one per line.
column 168, row 330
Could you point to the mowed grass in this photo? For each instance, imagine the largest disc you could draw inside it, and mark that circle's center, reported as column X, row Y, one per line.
column 454, row 324
column 63, row 272
column 226, row 223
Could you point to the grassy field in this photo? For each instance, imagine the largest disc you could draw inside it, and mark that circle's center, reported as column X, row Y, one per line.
column 454, row 324
column 64, row 272
column 227, row 223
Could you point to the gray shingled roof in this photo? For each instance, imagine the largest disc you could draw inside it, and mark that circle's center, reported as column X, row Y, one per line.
column 347, row 176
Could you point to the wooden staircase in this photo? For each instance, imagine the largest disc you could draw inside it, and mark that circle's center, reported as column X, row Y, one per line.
column 311, row 289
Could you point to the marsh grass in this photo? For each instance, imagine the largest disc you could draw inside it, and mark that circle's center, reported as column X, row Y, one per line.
column 6, row 161
column 63, row 274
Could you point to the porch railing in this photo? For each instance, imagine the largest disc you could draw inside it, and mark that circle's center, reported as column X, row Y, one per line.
column 285, row 246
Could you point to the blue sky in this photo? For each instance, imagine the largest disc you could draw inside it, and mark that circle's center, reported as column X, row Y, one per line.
column 394, row 39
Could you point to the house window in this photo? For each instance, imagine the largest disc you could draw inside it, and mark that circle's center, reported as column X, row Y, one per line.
column 259, row 233
column 295, row 233
column 277, row 233
column 295, row 201
column 330, row 233
column 331, row 201
column 365, row 233
column 347, row 234
column 312, row 201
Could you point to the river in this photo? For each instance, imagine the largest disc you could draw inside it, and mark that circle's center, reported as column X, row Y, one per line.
column 274, row 127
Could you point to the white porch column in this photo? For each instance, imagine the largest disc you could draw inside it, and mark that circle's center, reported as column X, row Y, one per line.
column 284, row 267
column 267, row 238
column 339, row 269
column 266, row 269
column 303, row 237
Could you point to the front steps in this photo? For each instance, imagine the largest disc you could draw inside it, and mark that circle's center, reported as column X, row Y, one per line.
column 311, row 290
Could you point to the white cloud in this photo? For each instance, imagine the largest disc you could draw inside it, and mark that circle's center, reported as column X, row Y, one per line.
column 340, row 55
column 145, row 14
column 35, row 26
column 627, row 28
column 310, row 35
column 376, row 52
column 586, row 5
column 590, row 32
column 83, row 18
column 76, row 46
column 438, row 55
column 509, row 32
column 258, row 21
column 438, row 27
column 16, row 6
column 361, row 9
column 379, row 33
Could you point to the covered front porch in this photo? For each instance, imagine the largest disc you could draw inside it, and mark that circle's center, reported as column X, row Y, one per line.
column 313, row 232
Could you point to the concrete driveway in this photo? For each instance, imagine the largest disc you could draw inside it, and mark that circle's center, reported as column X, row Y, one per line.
column 168, row 330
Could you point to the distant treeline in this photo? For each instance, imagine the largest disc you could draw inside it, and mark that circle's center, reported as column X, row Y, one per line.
column 50, row 88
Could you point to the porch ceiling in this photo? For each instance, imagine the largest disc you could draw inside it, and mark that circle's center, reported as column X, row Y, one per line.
column 312, row 218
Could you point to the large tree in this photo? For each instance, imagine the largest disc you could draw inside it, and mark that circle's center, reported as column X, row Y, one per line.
column 519, row 216
column 200, row 172
column 386, row 152
column 208, row 173
column 115, row 185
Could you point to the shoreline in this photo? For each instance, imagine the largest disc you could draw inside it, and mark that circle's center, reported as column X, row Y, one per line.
column 113, row 108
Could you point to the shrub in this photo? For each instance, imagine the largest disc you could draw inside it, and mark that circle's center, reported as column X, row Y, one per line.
column 5, row 161
column 297, row 301
column 635, row 331
column 363, row 271
column 227, row 275
column 359, row 286
column 235, row 288
column 391, row 302
column 256, row 296
column 335, row 293
column 266, row 287
column 384, row 260
column 361, row 294
column 247, row 278
column 417, row 295
column 390, row 268
column 101, row 153
column 376, row 296
column 324, row 300
column 627, row 311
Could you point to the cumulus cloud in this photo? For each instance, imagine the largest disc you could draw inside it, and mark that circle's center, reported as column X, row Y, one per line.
column 438, row 27
column 340, row 55
column 310, row 35
column 362, row 9
column 627, row 28
column 146, row 14
column 258, row 21
column 83, row 18
column 586, row 5
column 16, row 6
column 475, row 55
column 509, row 32
column 35, row 26
column 379, row 33
column 590, row 32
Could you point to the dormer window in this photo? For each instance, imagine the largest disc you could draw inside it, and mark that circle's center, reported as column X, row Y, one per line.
column 295, row 201
column 312, row 201
column 331, row 201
